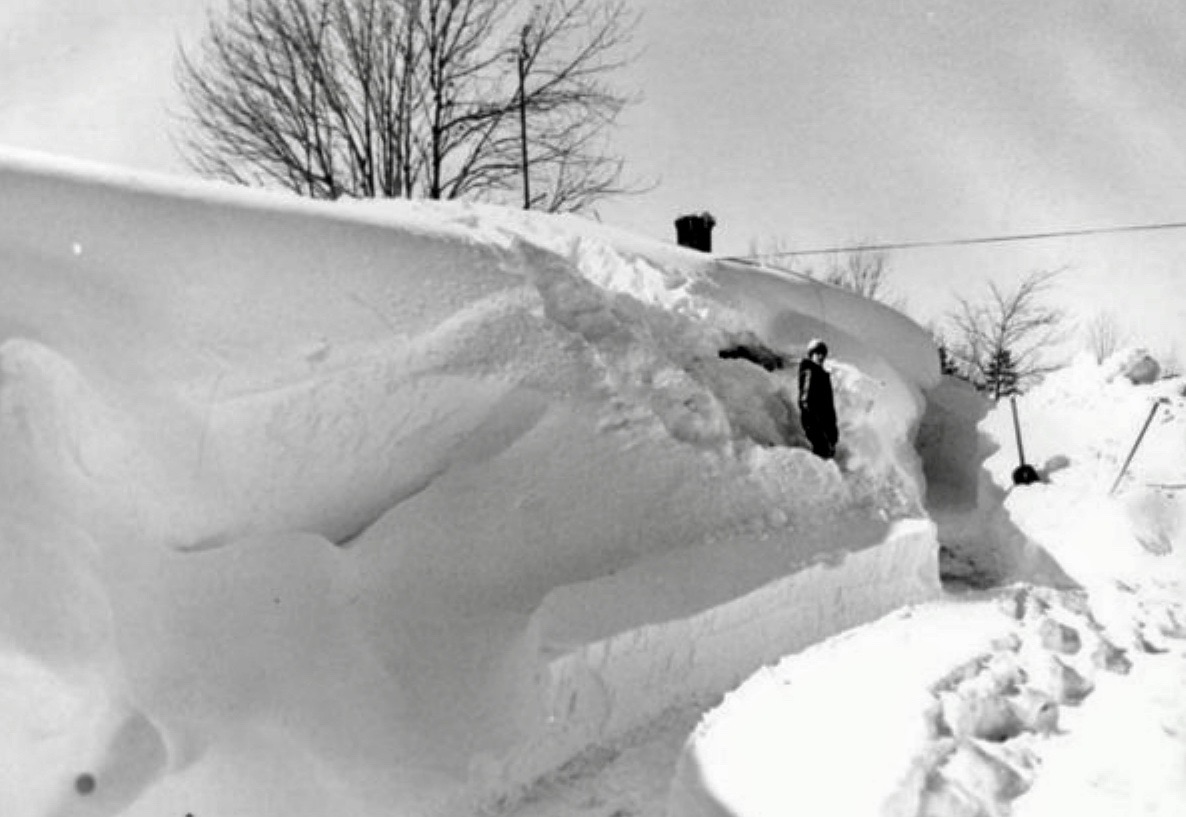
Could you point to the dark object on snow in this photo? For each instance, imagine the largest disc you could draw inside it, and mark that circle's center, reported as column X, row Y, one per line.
column 1026, row 475
column 1135, row 445
column 695, row 231
column 817, row 410
column 1023, row 474
column 763, row 356
column 1141, row 369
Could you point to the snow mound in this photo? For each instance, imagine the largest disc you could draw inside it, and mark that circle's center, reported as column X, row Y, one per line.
column 317, row 508
column 1135, row 365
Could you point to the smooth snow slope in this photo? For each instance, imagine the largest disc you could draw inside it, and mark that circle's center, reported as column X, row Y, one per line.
column 318, row 508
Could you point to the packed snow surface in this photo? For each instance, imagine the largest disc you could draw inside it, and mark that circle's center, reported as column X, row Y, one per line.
column 374, row 508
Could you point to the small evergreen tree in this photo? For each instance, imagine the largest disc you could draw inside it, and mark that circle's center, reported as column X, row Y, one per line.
column 1000, row 376
column 1002, row 342
column 946, row 363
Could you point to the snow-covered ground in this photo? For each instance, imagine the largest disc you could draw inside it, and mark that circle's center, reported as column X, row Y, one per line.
column 1048, row 679
column 399, row 508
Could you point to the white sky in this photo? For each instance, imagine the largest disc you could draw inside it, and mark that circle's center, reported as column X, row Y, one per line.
column 815, row 124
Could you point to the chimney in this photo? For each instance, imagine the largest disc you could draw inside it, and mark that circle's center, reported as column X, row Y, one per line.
column 695, row 231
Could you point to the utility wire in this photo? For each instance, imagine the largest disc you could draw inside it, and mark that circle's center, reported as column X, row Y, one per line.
column 958, row 242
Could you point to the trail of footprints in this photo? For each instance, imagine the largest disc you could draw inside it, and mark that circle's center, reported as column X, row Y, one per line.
column 992, row 714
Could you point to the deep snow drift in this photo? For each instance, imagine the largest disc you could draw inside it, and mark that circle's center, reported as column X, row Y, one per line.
column 391, row 508
column 1031, row 700
column 395, row 508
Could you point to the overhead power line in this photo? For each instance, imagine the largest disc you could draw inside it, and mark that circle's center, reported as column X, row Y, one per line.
column 958, row 242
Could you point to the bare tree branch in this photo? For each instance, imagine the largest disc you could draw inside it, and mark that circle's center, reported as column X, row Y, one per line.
column 1103, row 336
column 865, row 272
column 409, row 97
column 1013, row 326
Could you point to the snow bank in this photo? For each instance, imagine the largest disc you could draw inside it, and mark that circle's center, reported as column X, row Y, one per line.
column 1002, row 702
column 1080, row 427
column 316, row 508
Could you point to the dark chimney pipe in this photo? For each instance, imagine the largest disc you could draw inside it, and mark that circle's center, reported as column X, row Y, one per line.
column 695, row 231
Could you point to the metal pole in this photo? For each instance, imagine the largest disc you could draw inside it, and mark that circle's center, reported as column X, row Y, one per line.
column 1017, row 431
column 523, row 115
column 1135, row 445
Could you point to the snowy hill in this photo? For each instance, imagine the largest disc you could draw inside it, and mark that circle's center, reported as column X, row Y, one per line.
column 371, row 508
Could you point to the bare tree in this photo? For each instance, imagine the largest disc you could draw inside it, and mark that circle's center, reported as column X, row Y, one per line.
column 1000, row 342
column 865, row 272
column 776, row 253
column 410, row 98
column 1103, row 336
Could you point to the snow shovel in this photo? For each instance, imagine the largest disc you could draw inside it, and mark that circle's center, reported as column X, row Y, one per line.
column 1023, row 474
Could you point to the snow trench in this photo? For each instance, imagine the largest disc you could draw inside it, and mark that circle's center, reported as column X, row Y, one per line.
column 598, row 691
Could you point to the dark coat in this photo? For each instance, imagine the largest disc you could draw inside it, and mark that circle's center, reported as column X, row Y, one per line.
column 817, row 409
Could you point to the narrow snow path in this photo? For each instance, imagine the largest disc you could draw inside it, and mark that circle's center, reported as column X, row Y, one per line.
column 628, row 778
column 633, row 777
column 1019, row 697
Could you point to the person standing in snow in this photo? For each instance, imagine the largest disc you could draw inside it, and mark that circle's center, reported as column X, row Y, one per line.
column 817, row 411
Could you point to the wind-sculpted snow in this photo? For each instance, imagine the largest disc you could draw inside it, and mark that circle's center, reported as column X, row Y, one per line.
column 315, row 508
